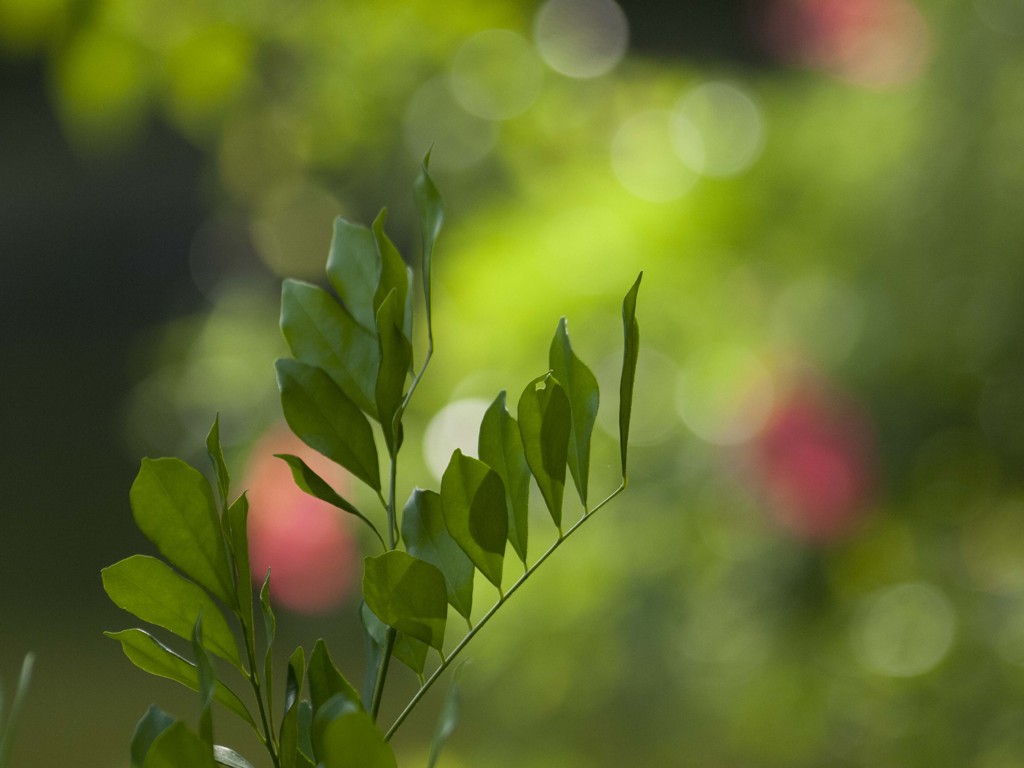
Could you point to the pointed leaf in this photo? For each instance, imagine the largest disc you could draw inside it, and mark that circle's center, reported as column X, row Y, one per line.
column 322, row 333
column 269, row 635
column 345, row 736
column 325, row 681
column 545, row 422
column 310, row 482
column 353, row 269
column 446, row 722
column 173, row 506
column 431, row 210
column 177, row 747
column 581, row 387
column 395, row 360
column 155, row 593
column 289, row 733
column 408, row 594
column 475, row 513
column 631, row 349
column 501, row 448
column 207, row 682
column 216, row 454
column 426, row 537
column 150, row 655
column 237, row 519
column 394, row 276
column 229, row 758
column 152, row 724
column 324, row 418
column 408, row 650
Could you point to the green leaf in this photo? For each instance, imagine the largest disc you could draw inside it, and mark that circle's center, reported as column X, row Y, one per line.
column 581, row 387
column 173, row 506
column 545, row 422
column 345, row 736
column 237, row 520
column 426, row 537
column 155, row 593
column 207, row 683
column 501, row 448
column 395, row 360
column 325, row 419
column 217, row 458
column 177, row 747
column 322, row 333
column 431, row 210
column 408, row 650
column 229, row 758
column 310, row 482
column 305, row 756
column 394, row 276
column 630, row 351
column 353, row 269
column 289, row 733
column 7, row 732
column 150, row 655
column 446, row 722
column 152, row 724
column 408, row 594
column 475, row 513
column 269, row 635
column 325, row 681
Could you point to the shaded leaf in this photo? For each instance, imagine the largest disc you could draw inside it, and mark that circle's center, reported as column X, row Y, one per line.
column 155, row 593
column 229, row 758
column 426, row 537
column 305, row 721
column 173, row 506
column 152, row 724
column 216, row 454
column 289, row 733
column 475, row 513
column 545, row 422
column 630, row 351
column 207, row 682
column 408, row 650
column 325, row 419
column 431, row 209
column 580, row 386
column 237, row 520
column 269, row 635
column 408, row 594
column 322, row 333
column 501, row 448
column 150, row 655
column 325, row 681
column 395, row 360
column 177, row 747
column 345, row 736
column 353, row 269
column 446, row 721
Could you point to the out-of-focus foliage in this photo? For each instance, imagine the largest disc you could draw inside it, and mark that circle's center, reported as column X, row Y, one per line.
column 821, row 561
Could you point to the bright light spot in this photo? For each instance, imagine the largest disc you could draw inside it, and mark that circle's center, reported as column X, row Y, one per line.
column 645, row 162
column 725, row 395
column 434, row 117
column 993, row 549
column 581, row 38
column 496, row 75
column 717, row 130
column 903, row 631
column 292, row 232
column 819, row 315
column 648, row 422
column 1006, row 16
column 306, row 543
column 457, row 425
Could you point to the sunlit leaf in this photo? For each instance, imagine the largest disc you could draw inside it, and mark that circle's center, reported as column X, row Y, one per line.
column 207, row 684
column 216, row 454
column 501, row 448
column 173, row 506
column 431, row 209
column 152, row 724
column 395, row 359
column 408, row 594
column 150, row 655
column 154, row 592
column 394, row 276
column 545, row 422
column 324, row 418
column 230, row 758
column 325, row 681
column 631, row 349
column 345, row 736
column 475, row 513
column 408, row 650
column 321, row 332
column 176, row 747
column 353, row 269
column 581, row 387
column 310, row 482
column 426, row 537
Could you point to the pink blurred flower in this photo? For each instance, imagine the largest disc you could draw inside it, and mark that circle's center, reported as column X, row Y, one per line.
column 306, row 543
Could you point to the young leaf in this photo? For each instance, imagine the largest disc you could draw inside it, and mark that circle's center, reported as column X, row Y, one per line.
column 326, row 420
column 173, row 506
column 353, row 269
column 176, row 747
column 408, row 650
column 426, row 537
column 237, row 518
column 581, row 387
column 345, row 736
column 408, row 594
column 431, row 210
column 630, row 351
column 217, row 458
column 394, row 276
column 7, row 732
column 395, row 360
column 310, row 482
column 321, row 332
column 152, row 724
column 545, row 422
column 269, row 635
column 207, row 683
column 155, row 593
column 150, row 655
column 325, row 681
column 473, row 503
column 501, row 448
column 289, row 733
column 230, row 758
column 446, row 722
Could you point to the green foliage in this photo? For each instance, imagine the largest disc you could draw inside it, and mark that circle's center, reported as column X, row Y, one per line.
column 353, row 364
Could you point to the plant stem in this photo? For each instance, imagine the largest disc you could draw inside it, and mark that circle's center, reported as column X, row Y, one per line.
column 447, row 661
column 267, row 737
column 382, row 672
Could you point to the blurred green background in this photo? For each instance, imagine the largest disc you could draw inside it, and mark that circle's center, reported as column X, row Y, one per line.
column 820, row 558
